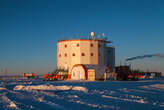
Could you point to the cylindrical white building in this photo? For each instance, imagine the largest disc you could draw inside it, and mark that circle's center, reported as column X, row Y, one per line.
column 81, row 51
column 71, row 52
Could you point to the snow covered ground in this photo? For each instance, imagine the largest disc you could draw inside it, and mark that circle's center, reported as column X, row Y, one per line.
column 76, row 95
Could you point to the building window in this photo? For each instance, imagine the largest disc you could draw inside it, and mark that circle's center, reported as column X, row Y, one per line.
column 59, row 55
column 65, row 55
column 65, row 46
column 91, row 54
column 91, row 45
column 82, row 54
column 73, row 54
column 99, row 45
column 77, row 45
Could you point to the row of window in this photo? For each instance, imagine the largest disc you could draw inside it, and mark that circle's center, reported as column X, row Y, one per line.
column 79, row 45
column 82, row 54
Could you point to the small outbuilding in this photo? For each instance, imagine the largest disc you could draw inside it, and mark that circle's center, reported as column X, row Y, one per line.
column 89, row 72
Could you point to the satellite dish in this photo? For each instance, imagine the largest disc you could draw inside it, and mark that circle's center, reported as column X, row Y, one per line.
column 93, row 35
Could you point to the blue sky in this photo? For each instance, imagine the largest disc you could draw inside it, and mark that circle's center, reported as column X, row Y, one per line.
column 29, row 30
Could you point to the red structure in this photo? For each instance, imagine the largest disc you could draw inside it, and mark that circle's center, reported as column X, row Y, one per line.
column 29, row 75
column 51, row 77
column 125, row 73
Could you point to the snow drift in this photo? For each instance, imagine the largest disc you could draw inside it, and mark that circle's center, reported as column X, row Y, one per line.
column 1, row 88
column 50, row 87
column 154, row 86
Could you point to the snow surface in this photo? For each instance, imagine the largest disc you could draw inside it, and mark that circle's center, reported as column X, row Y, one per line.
column 1, row 88
column 84, row 95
